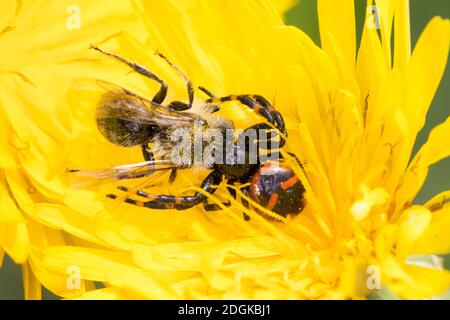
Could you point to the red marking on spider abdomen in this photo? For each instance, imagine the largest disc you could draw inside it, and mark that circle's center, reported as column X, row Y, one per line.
column 272, row 201
column 289, row 183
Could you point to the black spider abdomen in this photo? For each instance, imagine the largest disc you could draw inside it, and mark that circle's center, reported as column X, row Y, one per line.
column 278, row 189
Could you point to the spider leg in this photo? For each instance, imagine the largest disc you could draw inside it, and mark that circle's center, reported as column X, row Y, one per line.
column 148, row 156
column 261, row 106
column 173, row 176
column 232, row 191
column 270, row 137
column 247, row 101
column 267, row 146
column 276, row 115
column 245, row 203
column 207, row 92
column 215, row 206
column 174, row 202
column 147, row 153
column 161, row 94
column 296, row 159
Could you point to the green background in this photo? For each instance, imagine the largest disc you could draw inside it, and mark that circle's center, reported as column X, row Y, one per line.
column 304, row 15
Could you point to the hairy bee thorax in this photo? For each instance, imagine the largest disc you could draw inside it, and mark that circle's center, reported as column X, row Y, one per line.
column 194, row 146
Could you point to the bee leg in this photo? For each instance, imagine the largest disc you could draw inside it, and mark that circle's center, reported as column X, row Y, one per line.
column 190, row 88
column 148, row 157
column 147, row 153
column 174, row 202
column 173, row 176
column 179, row 106
column 161, row 94
column 215, row 206
column 211, row 95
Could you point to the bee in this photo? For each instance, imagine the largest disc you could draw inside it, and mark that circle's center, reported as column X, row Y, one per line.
column 129, row 120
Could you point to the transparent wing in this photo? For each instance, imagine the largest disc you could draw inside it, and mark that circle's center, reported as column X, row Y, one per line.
column 120, row 197
column 84, row 178
column 119, row 103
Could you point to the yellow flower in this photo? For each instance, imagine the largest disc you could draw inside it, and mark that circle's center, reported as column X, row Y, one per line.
column 352, row 118
column 43, row 47
column 283, row 6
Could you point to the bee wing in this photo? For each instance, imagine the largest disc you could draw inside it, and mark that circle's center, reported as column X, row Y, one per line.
column 129, row 105
column 83, row 178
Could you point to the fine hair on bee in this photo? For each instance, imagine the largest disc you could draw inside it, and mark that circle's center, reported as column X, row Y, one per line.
column 178, row 135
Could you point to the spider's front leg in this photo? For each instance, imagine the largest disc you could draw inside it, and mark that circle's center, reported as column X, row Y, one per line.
column 164, row 201
column 232, row 191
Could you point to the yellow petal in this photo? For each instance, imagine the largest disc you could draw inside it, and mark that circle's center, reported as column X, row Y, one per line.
column 337, row 19
column 117, row 269
column 9, row 11
column 423, row 283
column 9, row 213
column 6, row 157
column 412, row 225
column 105, row 294
column 425, row 71
column 385, row 12
column 434, row 150
column 346, row 71
column 32, row 286
column 371, row 198
column 65, row 284
column 70, row 221
column 402, row 38
column 15, row 241
column 438, row 201
column 436, row 238
column 283, row 6
column 371, row 67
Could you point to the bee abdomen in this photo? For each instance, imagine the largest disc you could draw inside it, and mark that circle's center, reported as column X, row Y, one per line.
column 123, row 132
column 119, row 127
